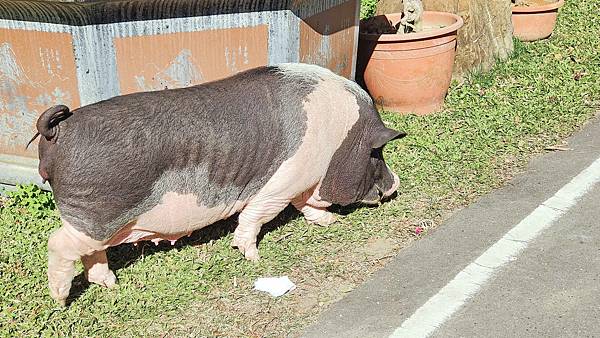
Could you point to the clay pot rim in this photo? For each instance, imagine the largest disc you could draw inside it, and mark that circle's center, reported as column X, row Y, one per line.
column 459, row 22
column 536, row 9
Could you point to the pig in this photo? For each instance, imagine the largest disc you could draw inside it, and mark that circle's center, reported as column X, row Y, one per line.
column 156, row 166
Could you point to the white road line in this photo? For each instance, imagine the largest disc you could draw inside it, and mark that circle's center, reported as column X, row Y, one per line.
column 467, row 283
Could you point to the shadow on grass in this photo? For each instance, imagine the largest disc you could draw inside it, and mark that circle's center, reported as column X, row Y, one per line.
column 124, row 255
column 348, row 209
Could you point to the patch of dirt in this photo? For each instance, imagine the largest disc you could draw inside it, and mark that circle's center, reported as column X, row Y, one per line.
column 378, row 248
column 243, row 312
column 248, row 313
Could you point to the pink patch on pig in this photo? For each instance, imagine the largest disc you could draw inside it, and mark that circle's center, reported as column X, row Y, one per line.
column 176, row 216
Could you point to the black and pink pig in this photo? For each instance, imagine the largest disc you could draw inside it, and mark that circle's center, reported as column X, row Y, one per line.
column 159, row 165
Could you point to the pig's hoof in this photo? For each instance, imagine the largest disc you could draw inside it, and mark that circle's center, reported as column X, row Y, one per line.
column 249, row 250
column 106, row 279
column 60, row 293
column 326, row 220
column 251, row 254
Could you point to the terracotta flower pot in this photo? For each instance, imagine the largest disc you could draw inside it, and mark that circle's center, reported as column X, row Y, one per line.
column 536, row 21
column 411, row 73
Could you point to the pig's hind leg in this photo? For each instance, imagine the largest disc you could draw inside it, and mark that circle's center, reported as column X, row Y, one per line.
column 65, row 246
column 251, row 218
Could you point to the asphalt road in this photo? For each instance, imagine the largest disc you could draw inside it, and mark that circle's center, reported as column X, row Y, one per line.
column 547, row 287
column 552, row 290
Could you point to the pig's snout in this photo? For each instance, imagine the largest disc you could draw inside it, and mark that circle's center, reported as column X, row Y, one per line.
column 394, row 187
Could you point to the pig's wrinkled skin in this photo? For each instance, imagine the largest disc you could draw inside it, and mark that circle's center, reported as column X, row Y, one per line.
column 159, row 165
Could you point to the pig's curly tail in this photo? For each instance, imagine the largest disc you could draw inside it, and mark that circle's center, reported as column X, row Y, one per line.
column 47, row 124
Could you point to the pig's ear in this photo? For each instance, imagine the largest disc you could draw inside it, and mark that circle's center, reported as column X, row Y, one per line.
column 385, row 135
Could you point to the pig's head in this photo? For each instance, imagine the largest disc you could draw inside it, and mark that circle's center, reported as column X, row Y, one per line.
column 358, row 172
column 383, row 182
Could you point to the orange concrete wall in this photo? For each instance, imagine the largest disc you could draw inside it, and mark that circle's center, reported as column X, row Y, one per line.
column 183, row 61
column 37, row 70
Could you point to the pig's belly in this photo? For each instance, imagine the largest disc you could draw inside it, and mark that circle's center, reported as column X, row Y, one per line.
column 176, row 216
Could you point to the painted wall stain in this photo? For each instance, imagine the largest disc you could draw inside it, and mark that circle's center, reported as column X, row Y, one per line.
column 181, row 72
column 37, row 70
column 235, row 58
column 182, row 61
column 50, row 59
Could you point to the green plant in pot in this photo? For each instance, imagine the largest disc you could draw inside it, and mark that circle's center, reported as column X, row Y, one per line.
column 406, row 59
column 534, row 19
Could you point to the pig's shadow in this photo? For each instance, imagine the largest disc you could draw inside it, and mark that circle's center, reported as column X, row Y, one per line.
column 124, row 255
column 348, row 209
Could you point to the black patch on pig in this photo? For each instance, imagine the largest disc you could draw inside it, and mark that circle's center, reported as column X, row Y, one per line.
column 358, row 171
column 221, row 141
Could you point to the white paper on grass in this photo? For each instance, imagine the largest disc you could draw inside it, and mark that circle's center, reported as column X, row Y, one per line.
column 275, row 286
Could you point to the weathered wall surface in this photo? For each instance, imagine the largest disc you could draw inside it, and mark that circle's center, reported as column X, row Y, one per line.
column 181, row 63
column 334, row 52
column 54, row 52
column 31, row 82
column 485, row 37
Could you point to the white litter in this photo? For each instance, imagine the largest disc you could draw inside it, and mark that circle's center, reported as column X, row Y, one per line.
column 275, row 286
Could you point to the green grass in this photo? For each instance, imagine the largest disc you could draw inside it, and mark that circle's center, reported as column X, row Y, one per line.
column 368, row 8
column 493, row 124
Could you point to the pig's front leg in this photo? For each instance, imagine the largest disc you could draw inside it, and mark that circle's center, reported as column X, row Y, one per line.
column 97, row 271
column 251, row 219
column 315, row 215
column 313, row 210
